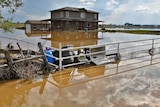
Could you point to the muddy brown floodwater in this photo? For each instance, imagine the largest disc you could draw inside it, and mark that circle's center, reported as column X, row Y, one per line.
column 112, row 85
column 87, row 86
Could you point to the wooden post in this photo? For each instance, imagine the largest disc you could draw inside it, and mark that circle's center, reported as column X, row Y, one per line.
column 9, row 60
column 44, row 57
column 21, row 52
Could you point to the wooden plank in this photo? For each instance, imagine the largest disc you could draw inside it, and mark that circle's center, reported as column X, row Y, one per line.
column 1, row 50
column 29, row 58
column 16, row 51
column 4, row 65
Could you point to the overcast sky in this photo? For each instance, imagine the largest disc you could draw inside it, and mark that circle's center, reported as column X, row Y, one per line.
column 111, row 11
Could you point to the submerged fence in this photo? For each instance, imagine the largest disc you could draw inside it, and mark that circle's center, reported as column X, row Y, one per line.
column 107, row 53
column 66, row 56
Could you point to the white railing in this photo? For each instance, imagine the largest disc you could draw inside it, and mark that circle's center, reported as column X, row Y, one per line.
column 146, row 48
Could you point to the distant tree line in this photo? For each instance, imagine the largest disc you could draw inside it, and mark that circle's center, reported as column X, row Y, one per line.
column 129, row 25
column 141, row 26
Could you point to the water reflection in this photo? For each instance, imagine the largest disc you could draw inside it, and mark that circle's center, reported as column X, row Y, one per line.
column 87, row 85
column 73, row 38
column 73, row 76
column 75, row 87
column 37, row 33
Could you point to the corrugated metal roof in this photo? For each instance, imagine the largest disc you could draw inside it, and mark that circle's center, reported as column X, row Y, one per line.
column 74, row 9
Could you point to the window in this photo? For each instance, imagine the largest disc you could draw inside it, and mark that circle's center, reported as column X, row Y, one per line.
column 83, row 15
column 61, row 14
column 67, row 13
column 95, row 16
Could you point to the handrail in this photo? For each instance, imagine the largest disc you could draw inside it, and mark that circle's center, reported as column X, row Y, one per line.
column 18, row 40
column 118, row 48
column 138, row 48
column 88, row 45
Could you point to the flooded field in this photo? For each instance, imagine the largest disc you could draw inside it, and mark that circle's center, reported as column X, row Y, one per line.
column 130, row 83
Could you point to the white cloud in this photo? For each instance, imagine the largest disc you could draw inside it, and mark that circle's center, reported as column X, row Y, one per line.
column 111, row 11
column 141, row 8
column 88, row 2
column 136, row 12
column 111, row 5
column 31, row 16
column 147, row 9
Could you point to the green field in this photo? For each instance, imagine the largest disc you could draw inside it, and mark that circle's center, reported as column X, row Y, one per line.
column 154, row 32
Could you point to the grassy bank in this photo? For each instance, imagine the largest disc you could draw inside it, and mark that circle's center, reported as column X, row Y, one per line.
column 153, row 32
column 9, row 26
column 18, row 25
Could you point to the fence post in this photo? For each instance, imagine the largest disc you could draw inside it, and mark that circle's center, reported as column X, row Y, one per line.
column 118, row 49
column 118, row 56
column 152, row 43
column 151, row 51
column 28, row 48
column 60, row 56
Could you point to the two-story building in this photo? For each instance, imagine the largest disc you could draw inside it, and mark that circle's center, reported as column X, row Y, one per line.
column 69, row 18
